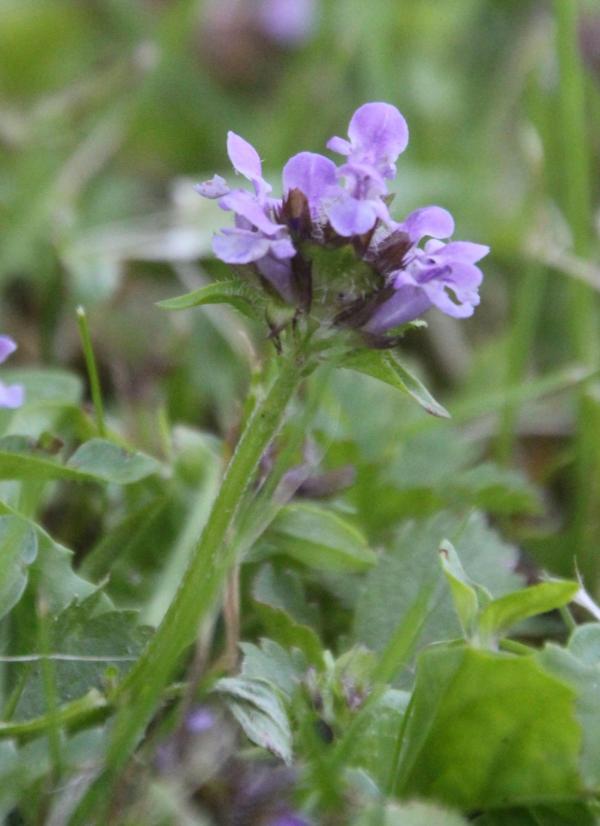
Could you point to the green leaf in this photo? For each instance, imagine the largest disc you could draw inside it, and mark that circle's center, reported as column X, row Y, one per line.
column 579, row 666
column 282, row 607
column 557, row 814
column 489, row 730
column 495, row 489
column 97, row 641
column 383, row 365
column 464, row 595
column 412, row 566
column 237, row 293
column 375, row 745
column 18, row 549
column 52, row 571
column 45, row 385
column 101, row 459
column 320, row 538
column 273, row 665
column 21, row 768
column 410, row 814
column 260, row 713
column 95, row 460
column 585, row 643
column 502, row 614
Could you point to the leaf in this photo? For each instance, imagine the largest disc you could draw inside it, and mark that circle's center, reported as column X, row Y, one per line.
column 95, row 460
column 383, row 365
column 101, row 459
column 237, row 293
column 21, row 767
column 87, row 630
column 495, row 489
column 557, row 814
column 585, row 643
column 489, row 730
column 273, row 665
column 412, row 566
column 282, row 606
column 464, row 595
column 410, row 814
column 45, row 385
column 579, row 666
column 18, row 549
column 52, row 571
column 502, row 614
column 375, row 747
column 320, row 538
column 260, row 713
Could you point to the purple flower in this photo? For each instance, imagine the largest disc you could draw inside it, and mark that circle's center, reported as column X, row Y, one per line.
column 388, row 274
column 378, row 134
column 287, row 22
column 315, row 176
column 11, row 395
column 257, row 237
column 200, row 720
column 441, row 275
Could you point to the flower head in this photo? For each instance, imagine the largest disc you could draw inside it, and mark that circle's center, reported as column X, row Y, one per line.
column 440, row 274
column 390, row 272
column 11, row 395
column 256, row 238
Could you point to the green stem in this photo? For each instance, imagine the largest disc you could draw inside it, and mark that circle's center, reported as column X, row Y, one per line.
column 90, row 363
column 577, row 206
column 214, row 557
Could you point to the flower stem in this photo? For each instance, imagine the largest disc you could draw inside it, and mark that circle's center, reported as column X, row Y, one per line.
column 213, row 560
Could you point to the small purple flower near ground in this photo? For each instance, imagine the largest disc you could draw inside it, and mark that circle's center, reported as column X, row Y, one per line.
column 11, row 395
column 333, row 207
column 200, row 720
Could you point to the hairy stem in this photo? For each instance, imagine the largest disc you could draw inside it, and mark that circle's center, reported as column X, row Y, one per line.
column 214, row 558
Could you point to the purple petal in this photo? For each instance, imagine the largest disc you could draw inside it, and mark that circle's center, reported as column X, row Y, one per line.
column 311, row 173
column 349, row 216
column 11, row 395
column 431, row 220
column 215, row 188
column 454, row 292
column 239, row 246
column 365, row 177
column 440, row 297
column 378, row 128
column 245, row 204
column 465, row 251
column 465, row 276
column 279, row 274
column 339, row 145
column 7, row 346
column 407, row 303
column 283, row 248
column 244, row 157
